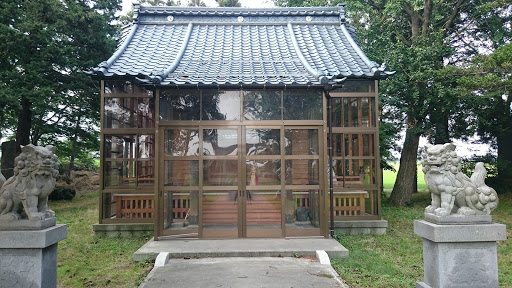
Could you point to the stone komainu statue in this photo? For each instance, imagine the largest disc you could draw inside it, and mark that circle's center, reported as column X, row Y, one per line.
column 25, row 195
column 451, row 190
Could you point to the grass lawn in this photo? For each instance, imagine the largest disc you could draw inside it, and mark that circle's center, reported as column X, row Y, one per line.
column 88, row 261
column 395, row 259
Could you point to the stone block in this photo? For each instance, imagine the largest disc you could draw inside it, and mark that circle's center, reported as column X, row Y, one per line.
column 361, row 227
column 29, row 258
column 460, row 255
column 123, row 230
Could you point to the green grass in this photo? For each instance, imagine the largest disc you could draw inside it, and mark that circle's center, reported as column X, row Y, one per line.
column 395, row 259
column 389, row 178
column 88, row 261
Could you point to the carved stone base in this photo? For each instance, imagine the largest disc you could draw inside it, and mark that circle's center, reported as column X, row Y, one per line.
column 460, row 255
column 29, row 258
column 26, row 224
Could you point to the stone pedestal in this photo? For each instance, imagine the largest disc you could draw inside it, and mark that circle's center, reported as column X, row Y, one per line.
column 460, row 255
column 28, row 258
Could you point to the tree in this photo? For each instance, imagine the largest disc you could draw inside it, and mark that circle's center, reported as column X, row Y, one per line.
column 228, row 3
column 46, row 45
column 418, row 39
column 486, row 85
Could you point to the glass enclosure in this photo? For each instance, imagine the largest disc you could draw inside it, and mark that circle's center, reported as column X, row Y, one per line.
column 237, row 163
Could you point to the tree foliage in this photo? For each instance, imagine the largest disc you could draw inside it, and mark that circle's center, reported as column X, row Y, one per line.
column 45, row 46
column 422, row 40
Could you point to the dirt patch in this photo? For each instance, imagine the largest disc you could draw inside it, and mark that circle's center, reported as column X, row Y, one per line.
column 81, row 181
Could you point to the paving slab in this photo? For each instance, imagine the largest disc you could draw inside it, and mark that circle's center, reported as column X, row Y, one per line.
column 269, row 272
column 283, row 247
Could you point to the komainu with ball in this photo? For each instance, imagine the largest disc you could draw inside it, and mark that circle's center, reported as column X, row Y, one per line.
column 451, row 190
column 25, row 195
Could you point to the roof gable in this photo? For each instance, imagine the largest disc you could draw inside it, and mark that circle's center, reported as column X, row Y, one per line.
column 232, row 46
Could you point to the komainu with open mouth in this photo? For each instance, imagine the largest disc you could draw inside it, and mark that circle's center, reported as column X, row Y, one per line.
column 25, row 195
column 451, row 190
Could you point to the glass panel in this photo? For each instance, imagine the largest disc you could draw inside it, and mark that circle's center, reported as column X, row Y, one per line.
column 181, row 142
column 220, row 142
column 132, row 206
column 301, row 141
column 262, row 105
column 263, row 141
column 357, row 86
column 302, row 172
column 263, row 212
column 220, row 214
column 263, row 172
column 358, row 112
column 146, row 146
column 302, row 105
column 181, row 211
column 302, row 213
column 220, row 172
column 337, row 112
column 120, row 146
column 180, row 105
column 129, row 113
column 119, row 173
column 181, row 173
column 357, row 145
column 355, row 171
column 145, row 172
column 125, row 87
column 220, row 105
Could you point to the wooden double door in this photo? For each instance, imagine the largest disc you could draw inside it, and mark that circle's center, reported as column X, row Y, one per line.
column 235, row 181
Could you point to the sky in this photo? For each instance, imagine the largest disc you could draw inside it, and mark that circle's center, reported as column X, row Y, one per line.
column 127, row 4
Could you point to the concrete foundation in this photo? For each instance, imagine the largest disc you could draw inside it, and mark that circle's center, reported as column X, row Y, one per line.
column 461, row 255
column 29, row 258
column 361, row 227
column 123, row 230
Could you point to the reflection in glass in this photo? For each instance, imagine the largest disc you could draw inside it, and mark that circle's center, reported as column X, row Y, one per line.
column 301, row 172
column 119, row 173
column 301, row 141
column 180, row 105
column 263, row 209
column 220, row 142
column 220, row 172
column 181, row 210
column 263, row 172
column 263, row 141
column 120, row 146
column 181, row 173
column 146, row 146
column 129, row 112
column 181, row 142
column 220, row 105
column 262, row 105
column 220, row 210
column 302, row 105
column 145, row 172
column 363, row 86
column 357, row 112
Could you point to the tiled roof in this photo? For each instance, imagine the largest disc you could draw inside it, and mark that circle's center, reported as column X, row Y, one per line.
column 232, row 46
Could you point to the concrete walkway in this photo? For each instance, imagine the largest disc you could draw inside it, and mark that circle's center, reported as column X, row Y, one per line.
column 241, row 248
column 242, row 263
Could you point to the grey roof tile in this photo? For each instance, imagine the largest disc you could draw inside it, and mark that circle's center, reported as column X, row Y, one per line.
column 183, row 45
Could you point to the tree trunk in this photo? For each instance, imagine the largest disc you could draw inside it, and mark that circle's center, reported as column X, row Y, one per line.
column 406, row 182
column 24, row 125
column 73, row 151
